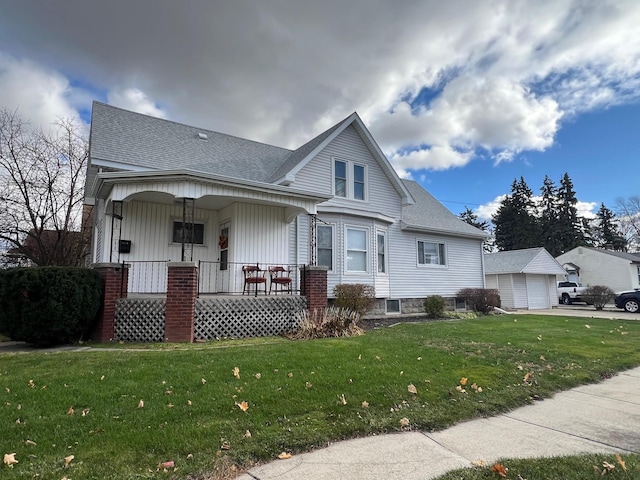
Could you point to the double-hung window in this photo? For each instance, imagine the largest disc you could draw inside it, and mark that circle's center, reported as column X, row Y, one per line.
column 431, row 253
column 382, row 252
column 350, row 180
column 324, row 246
column 356, row 250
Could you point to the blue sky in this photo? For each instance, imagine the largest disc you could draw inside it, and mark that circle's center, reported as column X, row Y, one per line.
column 464, row 104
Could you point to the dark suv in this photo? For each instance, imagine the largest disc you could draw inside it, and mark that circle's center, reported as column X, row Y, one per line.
column 629, row 300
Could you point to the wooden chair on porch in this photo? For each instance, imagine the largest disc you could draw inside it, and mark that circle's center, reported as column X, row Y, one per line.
column 280, row 276
column 253, row 275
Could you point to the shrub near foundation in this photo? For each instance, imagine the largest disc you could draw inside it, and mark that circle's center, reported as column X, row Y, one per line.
column 49, row 305
column 356, row 297
column 480, row 299
column 434, row 306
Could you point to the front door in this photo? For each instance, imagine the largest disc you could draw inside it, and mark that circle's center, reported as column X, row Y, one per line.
column 223, row 279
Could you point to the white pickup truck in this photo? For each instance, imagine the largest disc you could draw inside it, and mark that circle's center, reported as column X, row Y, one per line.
column 569, row 292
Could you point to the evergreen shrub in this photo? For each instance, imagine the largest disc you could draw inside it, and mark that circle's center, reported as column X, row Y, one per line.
column 49, row 305
column 434, row 306
column 480, row 300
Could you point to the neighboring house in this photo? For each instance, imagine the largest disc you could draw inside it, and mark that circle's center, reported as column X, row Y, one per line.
column 525, row 278
column 242, row 202
column 596, row 266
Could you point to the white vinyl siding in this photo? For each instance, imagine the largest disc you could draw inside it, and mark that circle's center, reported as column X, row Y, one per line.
column 380, row 195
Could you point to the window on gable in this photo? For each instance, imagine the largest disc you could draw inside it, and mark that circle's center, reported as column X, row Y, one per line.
column 340, row 179
column 356, row 250
column 350, row 180
column 193, row 235
column 324, row 246
column 431, row 253
column 358, row 182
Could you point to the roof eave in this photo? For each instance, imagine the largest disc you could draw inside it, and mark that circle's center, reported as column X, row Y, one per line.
column 441, row 231
column 105, row 181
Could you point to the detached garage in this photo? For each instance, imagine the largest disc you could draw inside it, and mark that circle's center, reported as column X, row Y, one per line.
column 526, row 279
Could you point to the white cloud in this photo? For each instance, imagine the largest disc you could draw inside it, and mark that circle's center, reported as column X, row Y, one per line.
column 486, row 211
column 501, row 76
column 136, row 100
column 40, row 96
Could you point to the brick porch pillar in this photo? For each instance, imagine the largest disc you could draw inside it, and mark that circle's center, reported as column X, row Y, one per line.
column 115, row 279
column 314, row 287
column 182, row 290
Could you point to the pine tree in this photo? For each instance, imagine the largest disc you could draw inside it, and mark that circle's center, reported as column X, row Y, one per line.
column 516, row 225
column 472, row 219
column 607, row 231
column 549, row 217
column 570, row 234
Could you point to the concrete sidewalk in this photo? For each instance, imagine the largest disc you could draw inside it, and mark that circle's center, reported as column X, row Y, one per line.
column 595, row 418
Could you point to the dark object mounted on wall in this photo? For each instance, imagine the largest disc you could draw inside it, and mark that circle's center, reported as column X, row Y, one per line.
column 124, row 246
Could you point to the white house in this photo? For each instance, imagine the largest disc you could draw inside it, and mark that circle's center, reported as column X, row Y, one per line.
column 526, row 279
column 161, row 190
column 596, row 266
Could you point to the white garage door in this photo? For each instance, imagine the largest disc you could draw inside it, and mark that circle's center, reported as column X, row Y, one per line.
column 537, row 292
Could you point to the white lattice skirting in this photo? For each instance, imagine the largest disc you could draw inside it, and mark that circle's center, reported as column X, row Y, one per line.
column 143, row 319
column 236, row 317
column 140, row 319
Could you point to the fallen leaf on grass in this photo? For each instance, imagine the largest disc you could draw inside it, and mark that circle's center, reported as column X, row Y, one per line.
column 365, row 404
column 247, row 434
column 608, row 467
column 460, row 389
column 308, row 385
column 203, row 381
column 463, row 381
column 244, row 406
column 10, row 459
column 31, row 384
column 621, row 462
column 412, row 389
column 343, row 400
column 68, row 460
column 284, row 455
column 258, row 376
column 236, row 372
column 85, row 412
column 479, row 463
column 588, row 326
column 499, row 469
column 30, row 442
column 404, row 422
column 528, row 377
column 168, row 464
column 71, row 411
column 141, row 404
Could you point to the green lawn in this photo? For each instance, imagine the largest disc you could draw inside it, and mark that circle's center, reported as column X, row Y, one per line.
column 122, row 413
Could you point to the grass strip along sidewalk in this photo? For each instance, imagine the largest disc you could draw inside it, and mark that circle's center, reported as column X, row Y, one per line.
column 202, row 409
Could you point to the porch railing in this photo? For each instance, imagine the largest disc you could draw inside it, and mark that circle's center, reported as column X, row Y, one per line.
column 147, row 276
column 227, row 278
column 214, row 277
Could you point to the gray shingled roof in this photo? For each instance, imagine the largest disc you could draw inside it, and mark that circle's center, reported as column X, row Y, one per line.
column 301, row 153
column 141, row 141
column 428, row 214
column 515, row 261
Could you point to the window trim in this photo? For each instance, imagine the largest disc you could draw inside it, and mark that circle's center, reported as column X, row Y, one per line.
column 333, row 246
column 367, row 250
column 386, row 306
column 195, row 222
column 442, row 248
